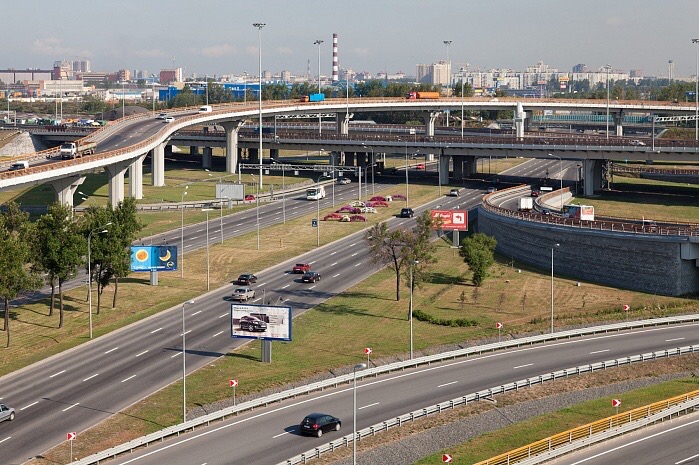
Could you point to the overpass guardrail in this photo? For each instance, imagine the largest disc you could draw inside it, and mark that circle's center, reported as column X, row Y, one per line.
column 205, row 420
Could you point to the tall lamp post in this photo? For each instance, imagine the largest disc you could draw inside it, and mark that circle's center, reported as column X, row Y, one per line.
column 318, row 208
column 360, row 366
column 560, row 175
column 373, row 167
column 448, row 43
column 184, row 367
column 182, row 232
column 320, row 118
column 552, row 249
column 410, row 316
column 257, row 211
column 123, row 99
column 259, row 27
column 696, row 94
column 89, row 271
column 207, row 210
column 462, row 102
column 608, row 67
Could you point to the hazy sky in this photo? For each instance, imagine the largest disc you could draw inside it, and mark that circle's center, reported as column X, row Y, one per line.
column 216, row 37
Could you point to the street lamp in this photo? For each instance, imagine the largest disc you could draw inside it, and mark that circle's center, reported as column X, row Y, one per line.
column 182, row 231
column 89, row 271
column 608, row 68
column 207, row 210
column 412, row 264
column 220, row 181
column 552, row 248
column 320, row 120
column 462, row 103
column 560, row 175
column 318, row 207
column 123, row 99
column 360, row 366
column 184, row 367
column 257, row 210
column 696, row 94
column 373, row 167
column 259, row 27
column 448, row 43
column 207, row 89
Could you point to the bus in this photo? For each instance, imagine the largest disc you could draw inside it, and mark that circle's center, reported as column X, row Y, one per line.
column 315, row 193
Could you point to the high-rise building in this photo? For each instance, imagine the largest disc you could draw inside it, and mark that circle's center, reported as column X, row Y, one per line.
column 580, row 68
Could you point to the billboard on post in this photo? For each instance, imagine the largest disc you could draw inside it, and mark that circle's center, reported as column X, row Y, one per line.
column 451, row 220
column 153, row 258
column 261, row 322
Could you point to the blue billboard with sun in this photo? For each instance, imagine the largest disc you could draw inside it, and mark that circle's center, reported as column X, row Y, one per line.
column 153, row 258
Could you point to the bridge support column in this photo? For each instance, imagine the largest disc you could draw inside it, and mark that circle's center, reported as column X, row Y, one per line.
column 343, row 120
column 116, row 171
column 206, row 157
column 350, row 159
column 232, row 129
column 136, row 178
column 157, row 165
column 65, row 189
column 430, row 117
column 337, row 158
column 592, row 176
column 443, row 169
column 273, row 154
column 254, row 155
column 194, row 150
column 619, row 123
column 520, row 117
column 528, row 115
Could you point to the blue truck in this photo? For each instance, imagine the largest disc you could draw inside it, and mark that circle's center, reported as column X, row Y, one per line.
column 313, row 98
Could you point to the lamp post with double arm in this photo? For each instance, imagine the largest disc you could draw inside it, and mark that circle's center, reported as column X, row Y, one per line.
column 184, row 366
column 101, row 230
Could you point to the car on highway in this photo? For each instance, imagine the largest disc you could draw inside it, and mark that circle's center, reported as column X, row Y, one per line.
column 243, row 294
column 344, row 180
column 162, row 116
column 246, row 279
column 251, row 323
column 20, row 165
column 168, row 119
column 637, row 142
column 454, row 193
column 316, row 424
column 535, row 193
column 406, row 213
column 301, row 268
column 249, row 198
column 420, row 166
column 310, row 277
column 492, row 189
column 6, row 413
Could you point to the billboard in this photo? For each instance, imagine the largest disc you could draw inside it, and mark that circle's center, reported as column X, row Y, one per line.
column 261, row 322
column 230, row 191
column 452, row 220
column 153, row 258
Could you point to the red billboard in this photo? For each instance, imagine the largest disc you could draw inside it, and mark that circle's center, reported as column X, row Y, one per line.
column 451, row 220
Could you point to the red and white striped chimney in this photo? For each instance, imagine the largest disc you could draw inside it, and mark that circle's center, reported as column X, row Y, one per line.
column 336, row 64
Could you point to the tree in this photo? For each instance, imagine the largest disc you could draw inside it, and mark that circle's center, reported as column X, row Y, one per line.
column 124, row 227
column 59, row 250
column 94, row 222
column 478, row 252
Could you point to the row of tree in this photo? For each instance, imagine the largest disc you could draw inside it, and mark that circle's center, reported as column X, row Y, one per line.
column 53, row 248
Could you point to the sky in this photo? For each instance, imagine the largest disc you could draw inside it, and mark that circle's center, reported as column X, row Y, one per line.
column 216, row 37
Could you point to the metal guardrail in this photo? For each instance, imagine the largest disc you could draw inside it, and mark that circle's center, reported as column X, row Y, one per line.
column 485, row 394
column 597, row 431
column 204, row 420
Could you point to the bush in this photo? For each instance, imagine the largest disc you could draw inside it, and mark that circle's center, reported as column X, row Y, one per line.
column 458, row 322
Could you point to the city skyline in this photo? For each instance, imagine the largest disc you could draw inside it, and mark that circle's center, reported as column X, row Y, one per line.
column 374, row 37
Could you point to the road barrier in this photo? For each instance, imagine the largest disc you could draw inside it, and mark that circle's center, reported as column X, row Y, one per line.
column 205, row 420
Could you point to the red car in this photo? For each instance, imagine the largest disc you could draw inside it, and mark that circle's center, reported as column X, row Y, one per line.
column 420, row 166
column 301, row 268
column 249, row 197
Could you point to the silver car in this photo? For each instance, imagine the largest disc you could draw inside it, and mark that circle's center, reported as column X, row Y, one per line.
column 6, row 413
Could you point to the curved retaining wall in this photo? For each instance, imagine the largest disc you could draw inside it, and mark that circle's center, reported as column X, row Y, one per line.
column 641, row 262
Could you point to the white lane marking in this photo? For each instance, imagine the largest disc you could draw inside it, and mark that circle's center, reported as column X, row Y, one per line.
column 185, row 333
column 195, row 313
column 130, row 377
column 90, row 377
column 522, row 366
column 354, row 254
column 367, row 406
column 55, row 374
column 200, row 230
column 188, row 245
column 30, row 405
column 334, row 264
column 236, row 230
column 312, row 287
column 8, row 437
column 335, row 276
column 220, row 332
column 156, row 330
column 687, row 459
column 599, row 351
column 675, row 339
column 286, row 286
column 333, row 253
column 68, row 408
column 178, row 353
column 280, row 435
column 138, row 355
column 192, row 238
column 111, row 350
column 224, row 315
column 357, row 264
column 352, row 244
column 447, row 384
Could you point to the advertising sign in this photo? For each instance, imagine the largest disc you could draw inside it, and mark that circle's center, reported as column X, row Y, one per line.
column 261, row 322
column 153, row 258
column 229, row 190
column 451, row 220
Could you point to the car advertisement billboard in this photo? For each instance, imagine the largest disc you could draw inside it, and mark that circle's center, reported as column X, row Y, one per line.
column 154, row 258
column 450, row 220
column 261, row 322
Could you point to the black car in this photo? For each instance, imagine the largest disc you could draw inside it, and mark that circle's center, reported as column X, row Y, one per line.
column 406, row 213
column 247, row 278
column 310, row 277
column 251, row 323
column 316, row 424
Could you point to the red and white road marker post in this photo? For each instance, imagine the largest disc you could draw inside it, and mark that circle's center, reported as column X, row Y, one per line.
column 71, row 437
column 498, row 325
column 447, row 458
column 616, row 403
column 627, row 310
column 367, row 352
column 233, row 383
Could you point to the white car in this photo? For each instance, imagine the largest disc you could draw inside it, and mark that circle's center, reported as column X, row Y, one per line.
column 637, row 142
column 6, row 413
column 168, row 119
column 345, row 180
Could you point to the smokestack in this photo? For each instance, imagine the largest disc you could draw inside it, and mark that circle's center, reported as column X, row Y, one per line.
column 336, row 64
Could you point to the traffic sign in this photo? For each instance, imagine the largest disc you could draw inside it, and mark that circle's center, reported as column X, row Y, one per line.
column 71, row 436
column 627, row 308
column 233, row 382
column 498, row 325
column 314, row 223
column 446, row 458
column 367, row 350
column 616, row 402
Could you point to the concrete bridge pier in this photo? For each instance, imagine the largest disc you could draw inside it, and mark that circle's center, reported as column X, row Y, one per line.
column 136, row 178
column 343, row 120
column 520, row 117
column 443, row 169
column 350, row 158
column 430, row 117
column 254, row 155
column 231, row 128
column 157, row 164
column 194, row 150
column 65, row 189
column 618, row 119
column 116, row 171
column 273, row 154
column 592, row 176
column 206, row 155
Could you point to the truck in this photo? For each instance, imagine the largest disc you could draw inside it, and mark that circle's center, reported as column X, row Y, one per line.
column 313, row 98
column 526, row 204
column 70, row 150
column 315, row 193
column 422, row 95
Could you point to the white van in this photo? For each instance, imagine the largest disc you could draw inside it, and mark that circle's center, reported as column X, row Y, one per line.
column 315, row 193
column 206, row 109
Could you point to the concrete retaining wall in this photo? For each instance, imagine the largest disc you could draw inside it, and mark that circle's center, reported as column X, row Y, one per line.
column 641, row 262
